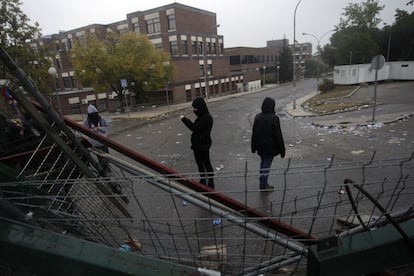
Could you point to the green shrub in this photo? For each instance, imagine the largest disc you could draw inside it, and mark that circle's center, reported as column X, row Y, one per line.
column 326, row 85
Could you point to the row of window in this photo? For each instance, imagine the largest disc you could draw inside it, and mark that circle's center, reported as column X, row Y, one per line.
column 196, row 48
column 252, row 59
column 153, row 25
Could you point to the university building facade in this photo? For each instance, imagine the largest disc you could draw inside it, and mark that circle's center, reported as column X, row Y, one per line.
column 188, row 34
column 203, row 66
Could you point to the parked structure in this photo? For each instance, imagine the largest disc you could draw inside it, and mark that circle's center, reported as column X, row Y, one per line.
column 362, row 73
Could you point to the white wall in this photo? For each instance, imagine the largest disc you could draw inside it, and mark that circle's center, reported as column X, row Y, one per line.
column 361, row 73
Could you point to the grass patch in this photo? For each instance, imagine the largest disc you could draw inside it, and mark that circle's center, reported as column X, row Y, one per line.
column 334, row 100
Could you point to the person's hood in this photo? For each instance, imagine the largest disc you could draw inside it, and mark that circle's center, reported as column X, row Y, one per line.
column 92, row 109
column 200, row 105
column 268, row 105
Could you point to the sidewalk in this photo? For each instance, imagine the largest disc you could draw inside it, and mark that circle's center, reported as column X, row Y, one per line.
column 386, row 111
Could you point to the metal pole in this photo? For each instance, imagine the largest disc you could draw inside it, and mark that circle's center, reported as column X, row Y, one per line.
column 294, row 46
column 375, row 92
column 205, row 71
column 166, row 95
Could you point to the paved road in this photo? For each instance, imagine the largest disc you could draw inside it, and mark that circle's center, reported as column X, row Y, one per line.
column 167, row 140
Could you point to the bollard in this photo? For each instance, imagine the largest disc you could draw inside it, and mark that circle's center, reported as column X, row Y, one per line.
column 294, row 104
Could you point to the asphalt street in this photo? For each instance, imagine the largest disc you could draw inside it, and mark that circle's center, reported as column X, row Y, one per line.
column 310, row 140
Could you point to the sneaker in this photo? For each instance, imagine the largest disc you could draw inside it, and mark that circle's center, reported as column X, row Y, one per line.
column 266, row 187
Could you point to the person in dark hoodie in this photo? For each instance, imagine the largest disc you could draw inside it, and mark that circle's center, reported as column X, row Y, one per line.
column 267, row 140
column 201, row 140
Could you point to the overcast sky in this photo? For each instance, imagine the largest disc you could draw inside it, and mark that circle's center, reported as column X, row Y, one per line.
column 242, row 22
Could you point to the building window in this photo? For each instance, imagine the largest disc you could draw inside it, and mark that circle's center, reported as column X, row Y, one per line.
column 135, row 26
column 81, row 40
column 102, row 104
column 171, row 22
column 75, row 108
column 159, row 46
column 200, row 47
column 213, row 48
column 184, row 47
column 201, row 70
column 209, row 69
column 235, row 60
column 123, row 30
column 194, row 47
column 66, row 82
column 188, row 95
column 221, row 48
column 173, row 48
column 73, row 82
column 208, row 48
column 153, row 25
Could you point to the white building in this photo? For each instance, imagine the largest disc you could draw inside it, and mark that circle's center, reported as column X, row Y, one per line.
column 362, row 73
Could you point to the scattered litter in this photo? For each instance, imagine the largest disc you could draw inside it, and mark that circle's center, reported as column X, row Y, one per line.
column 322, row 140
column 179, row 134
column 178, row 142
column 128, row 135
column 394, row 140
column 329, row 158
column 139, row 137
column 125, row 247
column 216, row 221
column 184, row 203
column 341, row 191
column 29, row 215
column 290, row 145
column 219, row 168
column 356, row 152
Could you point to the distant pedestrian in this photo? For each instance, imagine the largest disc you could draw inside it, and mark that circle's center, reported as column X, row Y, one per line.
column 201, row 140
column 98, row 124
column 267, row 140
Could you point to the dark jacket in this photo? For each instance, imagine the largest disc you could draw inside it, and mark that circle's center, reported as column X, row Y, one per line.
column 267, row 138
column 201, row 128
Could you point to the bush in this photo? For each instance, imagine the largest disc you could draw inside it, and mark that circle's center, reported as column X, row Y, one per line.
column 326, row 85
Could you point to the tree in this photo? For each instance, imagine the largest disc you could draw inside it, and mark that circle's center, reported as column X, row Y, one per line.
column 354, row 47
column 400, row 37
column 103, row 63
column 15, row 34
column 362, row 16
column 285, row 60
column 356, row 39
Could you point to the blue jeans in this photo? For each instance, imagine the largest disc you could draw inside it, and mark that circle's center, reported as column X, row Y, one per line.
column 265, row 164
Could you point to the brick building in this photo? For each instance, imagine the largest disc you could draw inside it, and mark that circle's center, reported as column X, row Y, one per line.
column 188, row 34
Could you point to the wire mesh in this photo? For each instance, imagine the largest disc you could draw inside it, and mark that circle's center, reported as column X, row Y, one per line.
column 170, row 222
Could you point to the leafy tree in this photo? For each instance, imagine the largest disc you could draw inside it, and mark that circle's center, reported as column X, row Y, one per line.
column 354, row 47
column 356, row 39
column 103, row 63
column 285, row 60
column 400, row 37
column 361, row 15
column 15, row 33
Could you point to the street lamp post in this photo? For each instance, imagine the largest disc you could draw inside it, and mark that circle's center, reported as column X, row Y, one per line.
column 166, row 95
column 53, row 72
column 264, row 75
column 294, row 46
column 277, row 75
column 318, row 40
column 206, row 86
